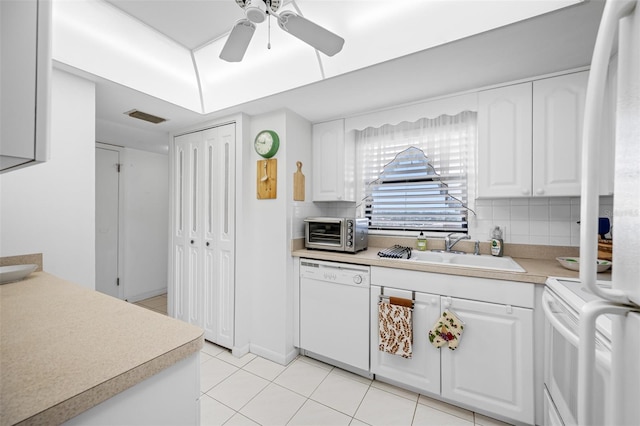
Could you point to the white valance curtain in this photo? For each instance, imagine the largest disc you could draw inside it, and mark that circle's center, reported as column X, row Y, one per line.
column 446, row 142
column 451, row 105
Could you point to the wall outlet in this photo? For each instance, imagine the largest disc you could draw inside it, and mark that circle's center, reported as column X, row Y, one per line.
column 502, row 228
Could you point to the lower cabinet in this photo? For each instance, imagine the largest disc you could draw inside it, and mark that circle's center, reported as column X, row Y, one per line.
column 422, row 370
column 491, row 370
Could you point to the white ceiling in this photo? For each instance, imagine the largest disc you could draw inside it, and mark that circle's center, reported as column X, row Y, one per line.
column 552, row 42
column 191, row 23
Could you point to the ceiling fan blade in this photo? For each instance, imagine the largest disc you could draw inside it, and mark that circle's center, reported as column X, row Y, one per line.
column 311, row 33
column 238, row 41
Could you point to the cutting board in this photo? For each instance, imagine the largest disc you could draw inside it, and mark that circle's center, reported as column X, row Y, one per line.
column 266, row 179
column 298, row 183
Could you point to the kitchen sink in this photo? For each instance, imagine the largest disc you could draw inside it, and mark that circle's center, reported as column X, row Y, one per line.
column 425, row 256
column 467, row 260
column 490, row 262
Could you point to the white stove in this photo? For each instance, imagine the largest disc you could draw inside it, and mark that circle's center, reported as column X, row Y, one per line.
column 562, row 302
column 574, row 293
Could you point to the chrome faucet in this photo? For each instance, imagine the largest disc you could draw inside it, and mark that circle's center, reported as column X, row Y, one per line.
column 448, row 244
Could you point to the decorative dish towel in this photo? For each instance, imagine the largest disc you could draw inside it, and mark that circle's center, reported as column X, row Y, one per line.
column 447, row 330
column 395, row 329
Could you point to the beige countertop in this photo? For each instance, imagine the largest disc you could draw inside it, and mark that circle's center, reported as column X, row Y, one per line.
column 537, row 270
column 65, row 348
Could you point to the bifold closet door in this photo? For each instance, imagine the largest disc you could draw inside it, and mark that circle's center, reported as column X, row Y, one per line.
column 187, row 234
column 219, row 234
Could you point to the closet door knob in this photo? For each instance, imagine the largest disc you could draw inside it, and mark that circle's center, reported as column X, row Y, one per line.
column 192, row 241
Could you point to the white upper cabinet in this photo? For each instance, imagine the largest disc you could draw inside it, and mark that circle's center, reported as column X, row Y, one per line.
column 558, row 111
column 26, row 79
column 529, row 138
column 504, row 142
column 333, row 163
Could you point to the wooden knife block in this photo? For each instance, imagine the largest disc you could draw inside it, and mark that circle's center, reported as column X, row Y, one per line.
column 605, row 249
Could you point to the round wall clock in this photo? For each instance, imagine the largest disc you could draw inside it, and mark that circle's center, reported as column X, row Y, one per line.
column 267, row 143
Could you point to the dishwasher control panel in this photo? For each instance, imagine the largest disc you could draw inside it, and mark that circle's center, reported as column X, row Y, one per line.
column 333, row 272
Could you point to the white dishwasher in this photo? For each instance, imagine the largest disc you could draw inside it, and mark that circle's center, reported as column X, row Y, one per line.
column 334, row 312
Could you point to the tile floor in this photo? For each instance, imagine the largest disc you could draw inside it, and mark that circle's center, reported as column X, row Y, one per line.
column 157, row 304
column 255, row 391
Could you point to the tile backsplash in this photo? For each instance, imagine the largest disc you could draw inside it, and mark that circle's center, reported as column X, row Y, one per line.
column 542, row 221
column 545, row 221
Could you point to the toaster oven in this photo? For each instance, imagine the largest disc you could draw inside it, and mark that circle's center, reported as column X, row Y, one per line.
column 336, row 234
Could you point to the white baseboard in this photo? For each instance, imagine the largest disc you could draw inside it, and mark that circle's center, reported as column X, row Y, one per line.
column 146, row 295
column 240, row 351
column 283, row 359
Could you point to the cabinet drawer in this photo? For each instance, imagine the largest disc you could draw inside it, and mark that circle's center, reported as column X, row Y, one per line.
column 482, row 289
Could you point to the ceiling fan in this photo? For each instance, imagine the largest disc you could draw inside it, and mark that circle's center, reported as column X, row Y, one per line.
column 256, row 11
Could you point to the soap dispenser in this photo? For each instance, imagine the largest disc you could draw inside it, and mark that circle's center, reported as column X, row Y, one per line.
column 421, row 242
column 497, row 244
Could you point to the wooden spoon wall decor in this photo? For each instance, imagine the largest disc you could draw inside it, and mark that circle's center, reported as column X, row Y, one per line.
column 298, row 183
column 267, row 179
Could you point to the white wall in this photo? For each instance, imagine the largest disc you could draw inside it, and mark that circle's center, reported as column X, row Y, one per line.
column 145, row 182
column 264, row 224
column 266, row 263
column 50, row 208
column 297, row 149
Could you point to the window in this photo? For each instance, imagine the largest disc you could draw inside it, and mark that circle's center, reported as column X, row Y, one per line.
column 413, row 176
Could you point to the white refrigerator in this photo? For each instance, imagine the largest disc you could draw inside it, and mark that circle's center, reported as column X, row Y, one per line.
column 618, row 42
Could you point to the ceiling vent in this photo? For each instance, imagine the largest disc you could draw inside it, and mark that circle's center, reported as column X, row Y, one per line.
column 144, row 116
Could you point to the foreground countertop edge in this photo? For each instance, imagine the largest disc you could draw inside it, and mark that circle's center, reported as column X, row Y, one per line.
column 537, row 270
column 190, row 342
column 24, row 259
column 88, row 399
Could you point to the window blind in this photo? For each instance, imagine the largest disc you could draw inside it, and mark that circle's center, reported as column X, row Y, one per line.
column 413, row 176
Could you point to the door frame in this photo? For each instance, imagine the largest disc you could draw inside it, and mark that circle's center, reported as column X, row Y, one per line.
column 121, row 255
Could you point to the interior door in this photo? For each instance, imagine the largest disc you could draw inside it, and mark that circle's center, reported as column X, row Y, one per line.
column 219, row 231
column 107, row 221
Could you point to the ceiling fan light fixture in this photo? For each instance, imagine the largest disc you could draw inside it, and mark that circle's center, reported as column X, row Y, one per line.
column 256, row 11
column 238, row 41
column 311, row 33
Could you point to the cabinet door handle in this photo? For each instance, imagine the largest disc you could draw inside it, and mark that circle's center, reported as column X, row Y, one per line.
column 539, row 191
column 525, row 191
column 192, row 241
column 207, row 243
